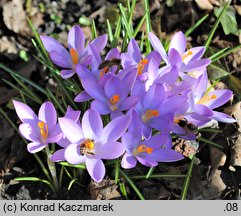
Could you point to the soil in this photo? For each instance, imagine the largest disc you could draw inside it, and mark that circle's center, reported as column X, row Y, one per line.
column 216, row 173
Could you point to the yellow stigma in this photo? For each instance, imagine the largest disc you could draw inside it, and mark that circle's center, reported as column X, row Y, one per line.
column 44, row 130
column 141, row 66
column 74, row 55
column 89, row 144
column 206, row 98
column 142, row 148
column 186, row 54
column 149, row 114
column 103, row 71
column 113, row 101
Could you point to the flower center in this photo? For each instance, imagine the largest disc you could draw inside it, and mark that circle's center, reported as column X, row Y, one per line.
column 206, row 98
column 185, row 55
column 141, row 66
column 87, row 147
column 113, row 101
column 103, row 71
column 149, row 114
column 142, row 148
column 74, row 56
column 43, row 129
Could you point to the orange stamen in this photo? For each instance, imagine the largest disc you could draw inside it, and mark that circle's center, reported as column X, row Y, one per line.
column 185, row 55
column 74, row 56
column 113, row 101
column 103, row 71
column 149, row 114
column 206, row 98
column 88, row 143
column 142, row 148
column 141, row 66
column 44, row 130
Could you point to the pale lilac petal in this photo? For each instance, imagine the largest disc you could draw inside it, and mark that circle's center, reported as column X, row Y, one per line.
column 64, row 142
column 175, row 58
column 72, row 154
column 159, row 141
column 82, row 97
column 58, row 156
column 54, row 135
column 202, row 110
column 47, row 114
column 95, row 59
column 222, row 117
column 146, row 130
column 84, row 73
column 155, row 56
column 115, row 114
column 60, row 55
column 94, row 90
column 110, row 150
column 34, row 147
column 60, row 59
column 113, row 53
column 134, row 51
column 157, row 45
column 100, row 42
column 195, row 65
column 76, row 39
column 166, row 155
column 100, row 107
column 66, row 74
column 96, row 169
column 128, row 161
column 170, row 77
column 23, row 111
column 72, row 114
column 115, row 129
column 129, row 103
column 178, row 42
column 92, row 124
column 162, row 123
column 71, row 130
column 30, row 131
column 135, row 126
column 147, row 160
column 222, row 96
column 197, row 53
column 113, row 86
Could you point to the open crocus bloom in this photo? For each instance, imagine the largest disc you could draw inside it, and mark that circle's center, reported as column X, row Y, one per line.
column 91, row 142
column 77, row 53
column 148, row 152
column 179, row 60
column 41, row 130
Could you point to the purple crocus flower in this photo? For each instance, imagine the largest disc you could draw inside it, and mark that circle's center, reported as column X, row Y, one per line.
column 41, row 129
column 91, row 143
column 156, row 111
column 148, row 152
column 112, row 98
column 178, row 60
column 77, row 53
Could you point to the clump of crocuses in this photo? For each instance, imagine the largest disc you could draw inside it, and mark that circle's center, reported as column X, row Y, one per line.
column 143, row 100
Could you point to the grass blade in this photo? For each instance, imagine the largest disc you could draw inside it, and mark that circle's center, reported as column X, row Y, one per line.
column 151, row 170
column 140, row 24
column 198, row 23
column 117, row 171
column 79, row 166
column 110, row 33
column 215, row 55
column 148, row 25
column 210, row 142
column 125, row 22
column 158, row 176
column 123, row 189
column 212, row 32
column 139, row 194
column 93, row 28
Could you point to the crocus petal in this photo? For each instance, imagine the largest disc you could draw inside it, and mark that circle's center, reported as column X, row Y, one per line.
column 178, row 42
column 29, row 131
column 170, row 77
column 110, row 150
column 95, row 59
column 47, row 114
column 100, row 42
column 162, row 123
column 154, row 55
column 195, row 65
column 72, row 114
column 100, row 107
column 222, row 117
column 113, row 53
column 23, row 111
column 115, row 114
column 115, row 129
column 146, row 130
column 129, row 103
column 222, row 96
column 76, row 39
column 197, row 53
column 58, row 54
column 113, row 86
column 71, row 130
column 159, row 141
column 82, row 97
column 34, row 147
column 54, row 135
column 62, row 60
column 157, row 45
column 134, row 51
column 58, row 156
column 93, row 89
column 84, row 73
column 96, row 169
column 202, row 110
column 135, row 126
column 92, row 124
column 174, row 57
column 66, row 74
column 147, row 160
column 72, row 154
column 128, row 161
column 166, row 155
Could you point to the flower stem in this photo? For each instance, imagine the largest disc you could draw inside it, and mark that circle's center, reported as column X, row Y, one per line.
column 52, row 170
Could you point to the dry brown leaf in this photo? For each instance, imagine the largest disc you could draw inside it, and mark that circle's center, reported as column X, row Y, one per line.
column 8, row 47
